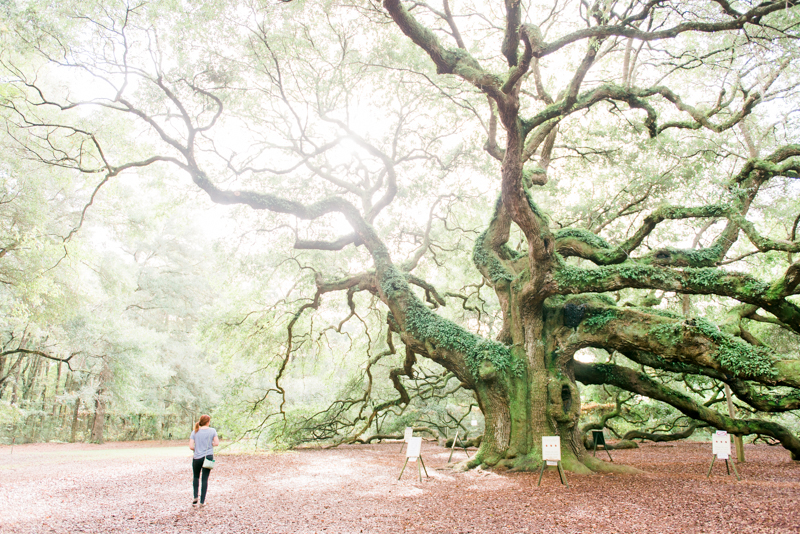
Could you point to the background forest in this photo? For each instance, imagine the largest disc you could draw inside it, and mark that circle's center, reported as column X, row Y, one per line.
column 130, row 302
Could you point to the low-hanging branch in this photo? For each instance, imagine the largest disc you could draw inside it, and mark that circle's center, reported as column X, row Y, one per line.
column 641, row 384
column 22, row 353
column 683, row 345
column 765, row 402
column 661, row 437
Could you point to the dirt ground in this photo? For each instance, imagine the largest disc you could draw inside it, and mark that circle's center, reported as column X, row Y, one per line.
column 146, row 487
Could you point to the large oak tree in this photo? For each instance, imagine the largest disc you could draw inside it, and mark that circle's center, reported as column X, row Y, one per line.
column 682, row 115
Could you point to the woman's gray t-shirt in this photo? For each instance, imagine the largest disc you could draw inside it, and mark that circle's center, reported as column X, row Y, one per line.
column 203, row 442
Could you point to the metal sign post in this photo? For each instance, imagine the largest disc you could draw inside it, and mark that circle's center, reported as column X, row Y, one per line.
column 721, row 448
column 551, row 456
column 598, row 439
column 413, row 453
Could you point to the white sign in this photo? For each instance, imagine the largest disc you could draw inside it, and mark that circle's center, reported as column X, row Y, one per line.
column 721, row 446
column 551, row 449
column 474, row 423
column 414, row 447
column 408, row 434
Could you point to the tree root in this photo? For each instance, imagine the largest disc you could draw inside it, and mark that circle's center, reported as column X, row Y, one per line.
column 587, row 465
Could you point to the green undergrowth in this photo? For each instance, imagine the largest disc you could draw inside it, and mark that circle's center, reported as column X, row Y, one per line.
column 592, row 311
column 739, row 357
column 668, row 333
column 711, row 210
column 704, row 256
column 700, row 279
column 711, row 279
column 393, row 282
column 485, row 258
column 695, row 258
column 599, row 319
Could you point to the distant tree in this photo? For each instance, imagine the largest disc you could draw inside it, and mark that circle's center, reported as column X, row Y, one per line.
column 98, row 307
column 644, row 149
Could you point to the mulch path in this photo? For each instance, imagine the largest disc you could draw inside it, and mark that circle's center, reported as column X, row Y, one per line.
column 146, row 488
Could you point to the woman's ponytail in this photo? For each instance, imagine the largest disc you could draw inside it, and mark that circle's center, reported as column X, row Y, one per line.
column 204, row 420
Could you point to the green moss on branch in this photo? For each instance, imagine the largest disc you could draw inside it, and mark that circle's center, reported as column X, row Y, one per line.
column 487, row 261
column 599, row 319
column 736, row 357
column 425, row 325
column 740, row 358
column 585, row 236
column 430, row 328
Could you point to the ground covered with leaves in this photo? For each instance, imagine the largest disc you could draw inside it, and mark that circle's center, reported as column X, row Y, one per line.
column 146, row 487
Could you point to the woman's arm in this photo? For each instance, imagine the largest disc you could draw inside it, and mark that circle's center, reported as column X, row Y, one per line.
column 215, row 441
column 191, row 443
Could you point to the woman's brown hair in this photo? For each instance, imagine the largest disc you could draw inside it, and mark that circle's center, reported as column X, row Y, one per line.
column 204, row 420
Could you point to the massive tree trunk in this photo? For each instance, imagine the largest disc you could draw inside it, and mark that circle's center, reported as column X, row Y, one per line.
column 525, row 384
column 538, row 397
column 520, row 408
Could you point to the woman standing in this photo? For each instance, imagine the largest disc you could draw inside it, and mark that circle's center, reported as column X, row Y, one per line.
column 202, row 441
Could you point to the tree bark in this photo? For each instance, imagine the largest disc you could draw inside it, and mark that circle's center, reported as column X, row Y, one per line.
column 737, row 440
column 98, row 425
column 74, row 430
column 55, row 389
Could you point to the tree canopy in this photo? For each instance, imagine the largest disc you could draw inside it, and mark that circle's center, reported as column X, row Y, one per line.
column 517, row 200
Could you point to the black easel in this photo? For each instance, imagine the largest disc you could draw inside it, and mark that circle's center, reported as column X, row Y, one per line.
column 598, row 439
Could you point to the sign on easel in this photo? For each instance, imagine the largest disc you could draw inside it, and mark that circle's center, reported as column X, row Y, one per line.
column 551, row 455
column 414, row 453
column 721, row 448
column 551, row 449
column 721, row 445
column 414, row 448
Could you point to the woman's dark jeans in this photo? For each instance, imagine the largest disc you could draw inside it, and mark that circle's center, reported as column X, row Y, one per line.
column 197, row 467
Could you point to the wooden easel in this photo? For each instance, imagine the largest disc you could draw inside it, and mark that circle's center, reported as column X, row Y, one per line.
column 551, row 456
column 721, row 449
column 455, row 439
column 560, row 472
column 727, row 466
column 413, row 452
